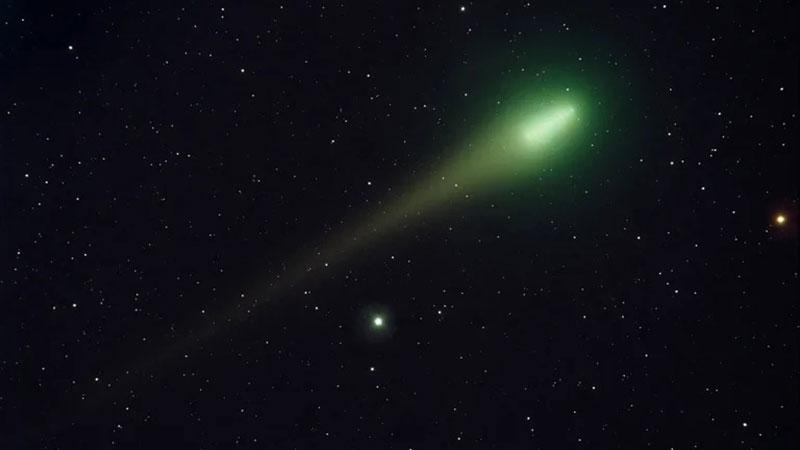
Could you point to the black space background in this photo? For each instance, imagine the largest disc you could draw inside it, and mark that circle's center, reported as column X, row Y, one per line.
column 641, row 297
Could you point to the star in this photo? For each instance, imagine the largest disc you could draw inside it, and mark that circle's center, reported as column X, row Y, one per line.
column 377, row 321
column 780, row 219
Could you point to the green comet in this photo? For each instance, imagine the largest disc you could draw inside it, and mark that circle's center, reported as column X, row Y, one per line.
column 515, row 144
column 512, row 147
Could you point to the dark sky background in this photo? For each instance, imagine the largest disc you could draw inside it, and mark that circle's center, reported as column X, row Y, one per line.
column 163, row 162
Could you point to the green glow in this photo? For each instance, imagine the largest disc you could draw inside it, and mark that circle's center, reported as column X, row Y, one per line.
column 377, row 321
column 545, row 127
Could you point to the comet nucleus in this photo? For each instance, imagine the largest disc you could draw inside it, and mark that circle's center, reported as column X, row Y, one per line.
column 547, row 125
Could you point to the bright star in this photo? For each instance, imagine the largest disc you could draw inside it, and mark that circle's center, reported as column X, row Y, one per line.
column 780, row 219
column 377, row 321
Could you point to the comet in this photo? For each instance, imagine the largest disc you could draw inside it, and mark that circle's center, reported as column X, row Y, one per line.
column 514, row 145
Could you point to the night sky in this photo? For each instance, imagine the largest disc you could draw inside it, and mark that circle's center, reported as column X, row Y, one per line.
column 209, row 237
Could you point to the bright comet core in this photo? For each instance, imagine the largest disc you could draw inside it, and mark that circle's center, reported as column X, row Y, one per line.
column 547, row 125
